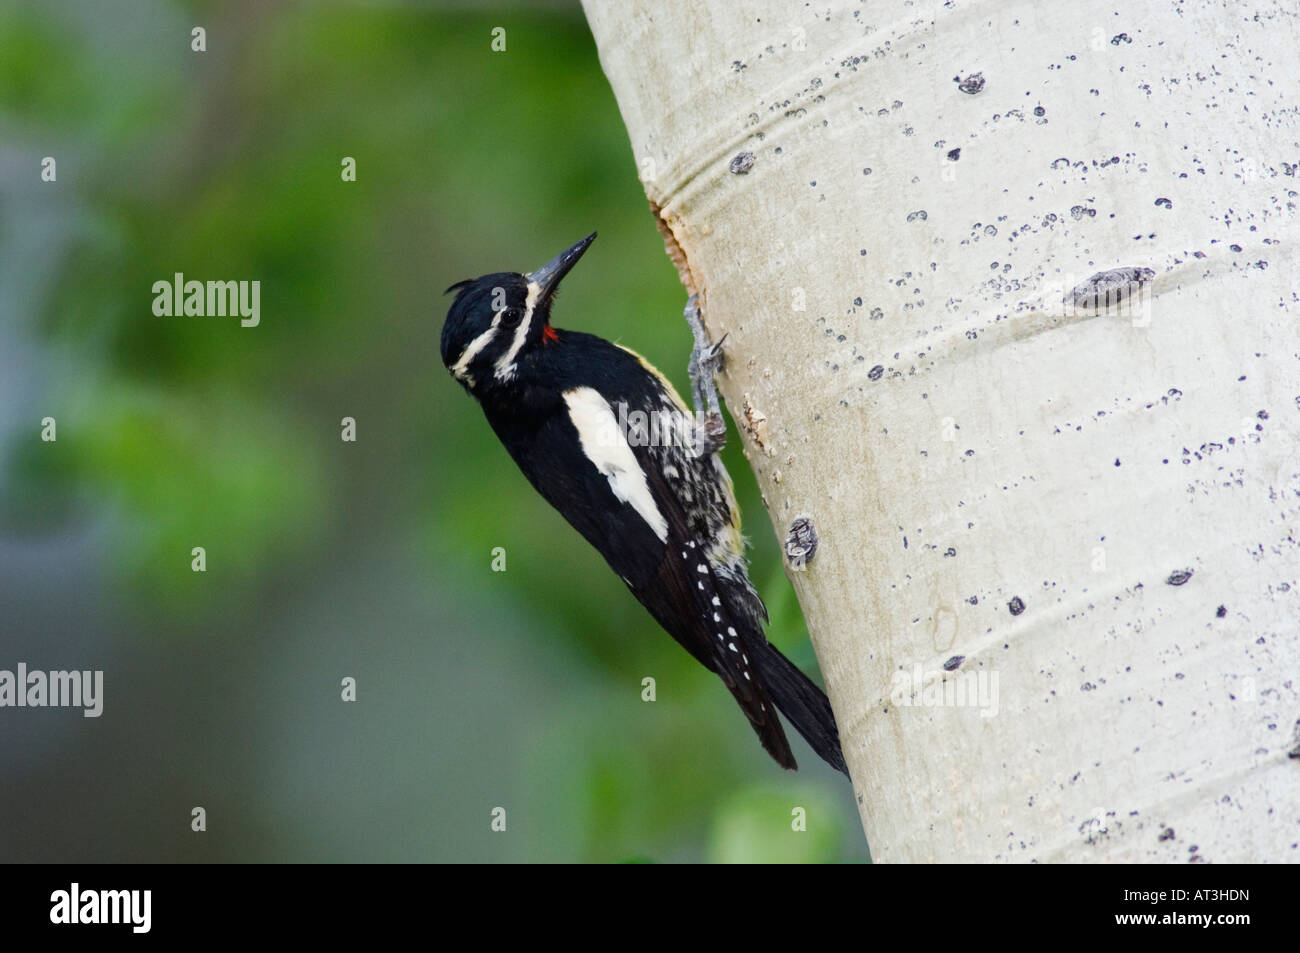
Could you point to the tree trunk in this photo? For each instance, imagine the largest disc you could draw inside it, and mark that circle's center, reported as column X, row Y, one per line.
column 1011, row 317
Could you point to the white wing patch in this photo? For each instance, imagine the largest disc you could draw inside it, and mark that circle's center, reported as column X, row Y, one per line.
column 607, row 448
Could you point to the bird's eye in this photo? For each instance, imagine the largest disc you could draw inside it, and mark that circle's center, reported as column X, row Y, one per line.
column 510, row 317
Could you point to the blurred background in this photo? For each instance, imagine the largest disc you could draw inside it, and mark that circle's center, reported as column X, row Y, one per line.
column 329, row 559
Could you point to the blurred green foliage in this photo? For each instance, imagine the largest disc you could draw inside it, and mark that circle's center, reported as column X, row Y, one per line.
column 175, row 432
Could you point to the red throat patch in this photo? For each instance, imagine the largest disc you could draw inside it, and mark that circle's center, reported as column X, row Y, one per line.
column 548, row 334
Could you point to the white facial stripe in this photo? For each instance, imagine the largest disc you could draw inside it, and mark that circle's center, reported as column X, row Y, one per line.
column 506, row 362
column 607, row 448
column 461, row 367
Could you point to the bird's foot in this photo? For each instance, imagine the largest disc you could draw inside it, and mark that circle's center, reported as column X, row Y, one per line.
column 706, row 360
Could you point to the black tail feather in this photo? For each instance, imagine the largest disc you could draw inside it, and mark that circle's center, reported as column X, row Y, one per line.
column 802, row 702
column 767, row 725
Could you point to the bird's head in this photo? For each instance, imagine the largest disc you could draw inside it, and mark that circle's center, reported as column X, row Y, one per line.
column 497, row 319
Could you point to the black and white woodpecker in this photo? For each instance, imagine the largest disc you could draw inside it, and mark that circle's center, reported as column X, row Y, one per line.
column 606, row 440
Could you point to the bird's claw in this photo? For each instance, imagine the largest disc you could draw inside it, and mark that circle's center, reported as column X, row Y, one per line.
column 712, row 360
column 706, row 360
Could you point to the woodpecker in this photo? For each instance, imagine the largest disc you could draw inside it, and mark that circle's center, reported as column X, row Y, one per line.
column 605, row 438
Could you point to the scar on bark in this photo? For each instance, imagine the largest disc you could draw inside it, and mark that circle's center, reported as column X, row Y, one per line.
column 801, row 543
column 674, row 249
column 706, row 355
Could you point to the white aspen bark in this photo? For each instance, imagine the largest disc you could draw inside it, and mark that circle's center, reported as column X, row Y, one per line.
column 923, row 363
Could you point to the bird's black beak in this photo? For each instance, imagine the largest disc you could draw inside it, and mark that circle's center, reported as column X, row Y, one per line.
column 549, row 275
